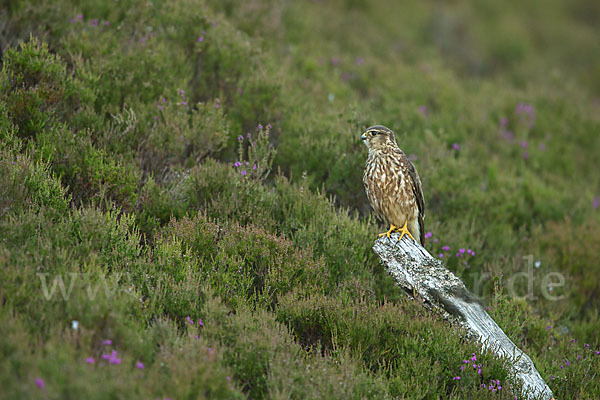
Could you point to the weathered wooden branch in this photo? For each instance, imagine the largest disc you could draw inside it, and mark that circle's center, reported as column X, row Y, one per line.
column 423, row 276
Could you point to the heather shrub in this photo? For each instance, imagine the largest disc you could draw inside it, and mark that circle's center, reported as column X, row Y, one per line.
column 393, row 340
column 270, row 364
column 243, row 265
column 29, row 185
column 38, row 90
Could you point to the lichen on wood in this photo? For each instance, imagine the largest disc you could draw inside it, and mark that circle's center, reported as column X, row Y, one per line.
column 421, row 275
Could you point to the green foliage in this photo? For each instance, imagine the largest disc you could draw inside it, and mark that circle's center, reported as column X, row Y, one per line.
column 200, row 160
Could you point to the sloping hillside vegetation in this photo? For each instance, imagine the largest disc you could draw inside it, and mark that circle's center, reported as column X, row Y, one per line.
column 182, row 213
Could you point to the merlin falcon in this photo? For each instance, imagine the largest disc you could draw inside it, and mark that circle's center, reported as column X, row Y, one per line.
column 392, row 185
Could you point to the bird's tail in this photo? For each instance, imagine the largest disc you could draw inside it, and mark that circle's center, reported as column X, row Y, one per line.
column 421, row 230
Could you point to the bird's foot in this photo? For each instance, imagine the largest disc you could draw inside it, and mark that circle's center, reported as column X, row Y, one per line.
column 388, row 233
column 404, row 231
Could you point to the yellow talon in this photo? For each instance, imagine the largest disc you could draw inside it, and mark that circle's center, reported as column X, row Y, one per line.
column 404, row 231
column 388, row 233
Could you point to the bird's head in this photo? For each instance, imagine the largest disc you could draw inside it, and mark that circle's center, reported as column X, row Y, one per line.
column 378, row 137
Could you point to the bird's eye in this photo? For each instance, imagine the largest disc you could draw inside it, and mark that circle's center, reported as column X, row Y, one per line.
column 373, row 133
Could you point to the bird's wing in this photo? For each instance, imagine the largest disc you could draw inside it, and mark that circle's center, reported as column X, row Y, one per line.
column 418, row 192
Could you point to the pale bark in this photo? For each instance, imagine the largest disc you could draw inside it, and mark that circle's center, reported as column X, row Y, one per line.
column 425, row 277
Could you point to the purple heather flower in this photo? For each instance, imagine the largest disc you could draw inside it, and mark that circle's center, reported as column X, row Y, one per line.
column 106, row 342
column 423, row 110
column 524, row 144
column 479, row 371
column 435, row 240
column 210, row 350
column 240, row 138
column 428, row 235
column 597, row 352
column 455, row 146
column 446, row 248
column 228, row 378
column 259, row 127
column 181, row 92
column 596, row 202
column 112, row 358
column 461, row 251
column 579, row 357
column 106, row 23
column 163, row 100
column 184, row 103
column 573, row 340
column 243, row 172
column 359, row 60
column 94, row 22
column 201, row 39
column 156, row 117
column 441, row 255
column 40, row 383
column 254, row 167
column 188, row 319
column 456, row 378
column 586, row 345
column 237, row 164
column 527, row 111
column 200, row 323
column 196, row 337
column 90, row 360
column 474, row 358
column 139, row 364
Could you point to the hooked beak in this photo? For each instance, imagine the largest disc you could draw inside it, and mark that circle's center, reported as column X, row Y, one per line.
column 363, row 137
